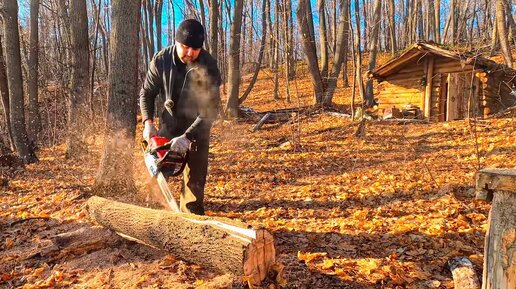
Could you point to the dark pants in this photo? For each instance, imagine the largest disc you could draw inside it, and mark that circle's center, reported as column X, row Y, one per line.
column 194, row 176
column 194, row 179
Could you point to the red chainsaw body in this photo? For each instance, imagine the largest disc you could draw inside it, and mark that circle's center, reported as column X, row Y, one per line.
column 157, row 141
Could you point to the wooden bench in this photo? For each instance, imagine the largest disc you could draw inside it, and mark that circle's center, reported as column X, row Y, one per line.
column 499, row 187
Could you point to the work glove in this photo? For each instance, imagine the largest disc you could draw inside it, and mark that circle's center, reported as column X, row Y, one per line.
column 149, row 130
column 180, row 144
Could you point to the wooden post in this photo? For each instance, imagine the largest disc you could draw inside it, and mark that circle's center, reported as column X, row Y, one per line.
column 429, row 85
column 500, row 243
column 220, row 244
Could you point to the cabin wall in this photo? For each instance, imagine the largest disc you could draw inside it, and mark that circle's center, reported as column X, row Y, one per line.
column 497, row 91
column 405, row 86
column 402, row 88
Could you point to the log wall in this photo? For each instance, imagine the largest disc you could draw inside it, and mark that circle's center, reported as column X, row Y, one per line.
column 404, row 87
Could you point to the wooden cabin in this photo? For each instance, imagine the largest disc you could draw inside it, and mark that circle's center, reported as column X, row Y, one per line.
column 444, row 85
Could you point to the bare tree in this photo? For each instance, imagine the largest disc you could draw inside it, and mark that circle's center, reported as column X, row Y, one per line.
column 9, row 13
column 158, row 11
column 4, row 91
column 373, row 49
column 214, row 19
column 78, row 104
column 323, row 39
column 392, row 26
column 341, row 51
column 34, row 122
column 234, row 59
column 260, row 54
column 304, row 18
column 115, row 174
column 501, row 25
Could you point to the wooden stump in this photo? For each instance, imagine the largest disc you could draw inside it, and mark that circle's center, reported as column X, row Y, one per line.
column 500, row 243
column 221, row 244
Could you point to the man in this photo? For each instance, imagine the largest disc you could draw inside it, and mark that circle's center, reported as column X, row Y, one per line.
column 189, row 79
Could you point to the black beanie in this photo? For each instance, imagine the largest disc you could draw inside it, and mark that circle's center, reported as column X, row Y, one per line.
column 190, row 33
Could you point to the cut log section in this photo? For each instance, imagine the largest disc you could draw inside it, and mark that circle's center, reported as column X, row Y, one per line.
column 500, row 243
column 464, row 275
column 220, row 244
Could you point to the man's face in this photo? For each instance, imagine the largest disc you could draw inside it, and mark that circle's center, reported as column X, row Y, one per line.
column 187, row 54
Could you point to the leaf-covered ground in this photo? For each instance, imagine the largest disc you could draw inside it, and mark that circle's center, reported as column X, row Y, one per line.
column 384, row 211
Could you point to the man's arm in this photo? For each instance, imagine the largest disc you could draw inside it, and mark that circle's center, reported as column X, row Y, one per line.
column 151, row 87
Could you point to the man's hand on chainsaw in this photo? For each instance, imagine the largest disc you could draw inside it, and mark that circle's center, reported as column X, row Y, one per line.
column 180, row 144
column 149, row 130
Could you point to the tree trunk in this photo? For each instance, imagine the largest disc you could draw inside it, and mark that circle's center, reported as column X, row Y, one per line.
column 340, row 52
column 373, row 49
column 307, row 41
column 9, row 13
column 260, row 54
column 78, row 110
column 289, row 44
column 358, row 61
column 115, row 172
column 437, row 21
column 392, row 27
column 203, row 15
column 34, row 122
column 214, row 19
column 219, row 244
column 234, row 60
column 158, row 11
column 501, row 25
column 4, row 91
column 275, row 67
column 323, row 40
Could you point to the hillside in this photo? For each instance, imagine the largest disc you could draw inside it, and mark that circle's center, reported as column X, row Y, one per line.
column 384, row 211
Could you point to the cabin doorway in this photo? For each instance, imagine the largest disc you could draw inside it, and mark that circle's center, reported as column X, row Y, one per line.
column 460, row 95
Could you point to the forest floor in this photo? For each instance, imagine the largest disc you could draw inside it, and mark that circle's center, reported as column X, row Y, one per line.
column 384, row 211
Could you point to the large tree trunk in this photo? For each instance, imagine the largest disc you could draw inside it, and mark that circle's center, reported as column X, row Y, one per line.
column 501, row 25
column 216, row 243
column 115, row 172
column 275, row 66
column 78, row 110
column 340, row 52
column 34, row 122
column 304, row 19
column 373, row 49
column 9, row 13
column 4, row 91
column 234, row 60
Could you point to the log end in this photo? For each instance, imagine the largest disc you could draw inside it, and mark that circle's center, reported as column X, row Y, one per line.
column 259, row 257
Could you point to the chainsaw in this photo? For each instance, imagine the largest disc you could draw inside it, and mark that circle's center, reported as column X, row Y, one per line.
column 162, row 163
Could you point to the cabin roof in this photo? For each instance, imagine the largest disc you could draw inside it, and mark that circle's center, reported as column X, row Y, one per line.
column 421, row 49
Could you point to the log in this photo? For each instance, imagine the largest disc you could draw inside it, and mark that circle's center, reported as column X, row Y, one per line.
column 500, row 242
column 221, row 244
column 464, row 275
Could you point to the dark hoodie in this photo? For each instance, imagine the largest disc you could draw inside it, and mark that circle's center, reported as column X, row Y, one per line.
column 193, row 90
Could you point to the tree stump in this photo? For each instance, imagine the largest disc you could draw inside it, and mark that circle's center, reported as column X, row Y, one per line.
column 500, row 243
column 221, row 244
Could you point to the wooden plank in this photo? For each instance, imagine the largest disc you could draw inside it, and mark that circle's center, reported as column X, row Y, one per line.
column 221, row 244
column 495, row 179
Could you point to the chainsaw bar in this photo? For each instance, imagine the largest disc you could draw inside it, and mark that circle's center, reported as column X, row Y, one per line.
column 162, row 182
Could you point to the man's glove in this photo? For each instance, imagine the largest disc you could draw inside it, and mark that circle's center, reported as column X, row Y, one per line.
column 180, row 144
column 149, row 130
